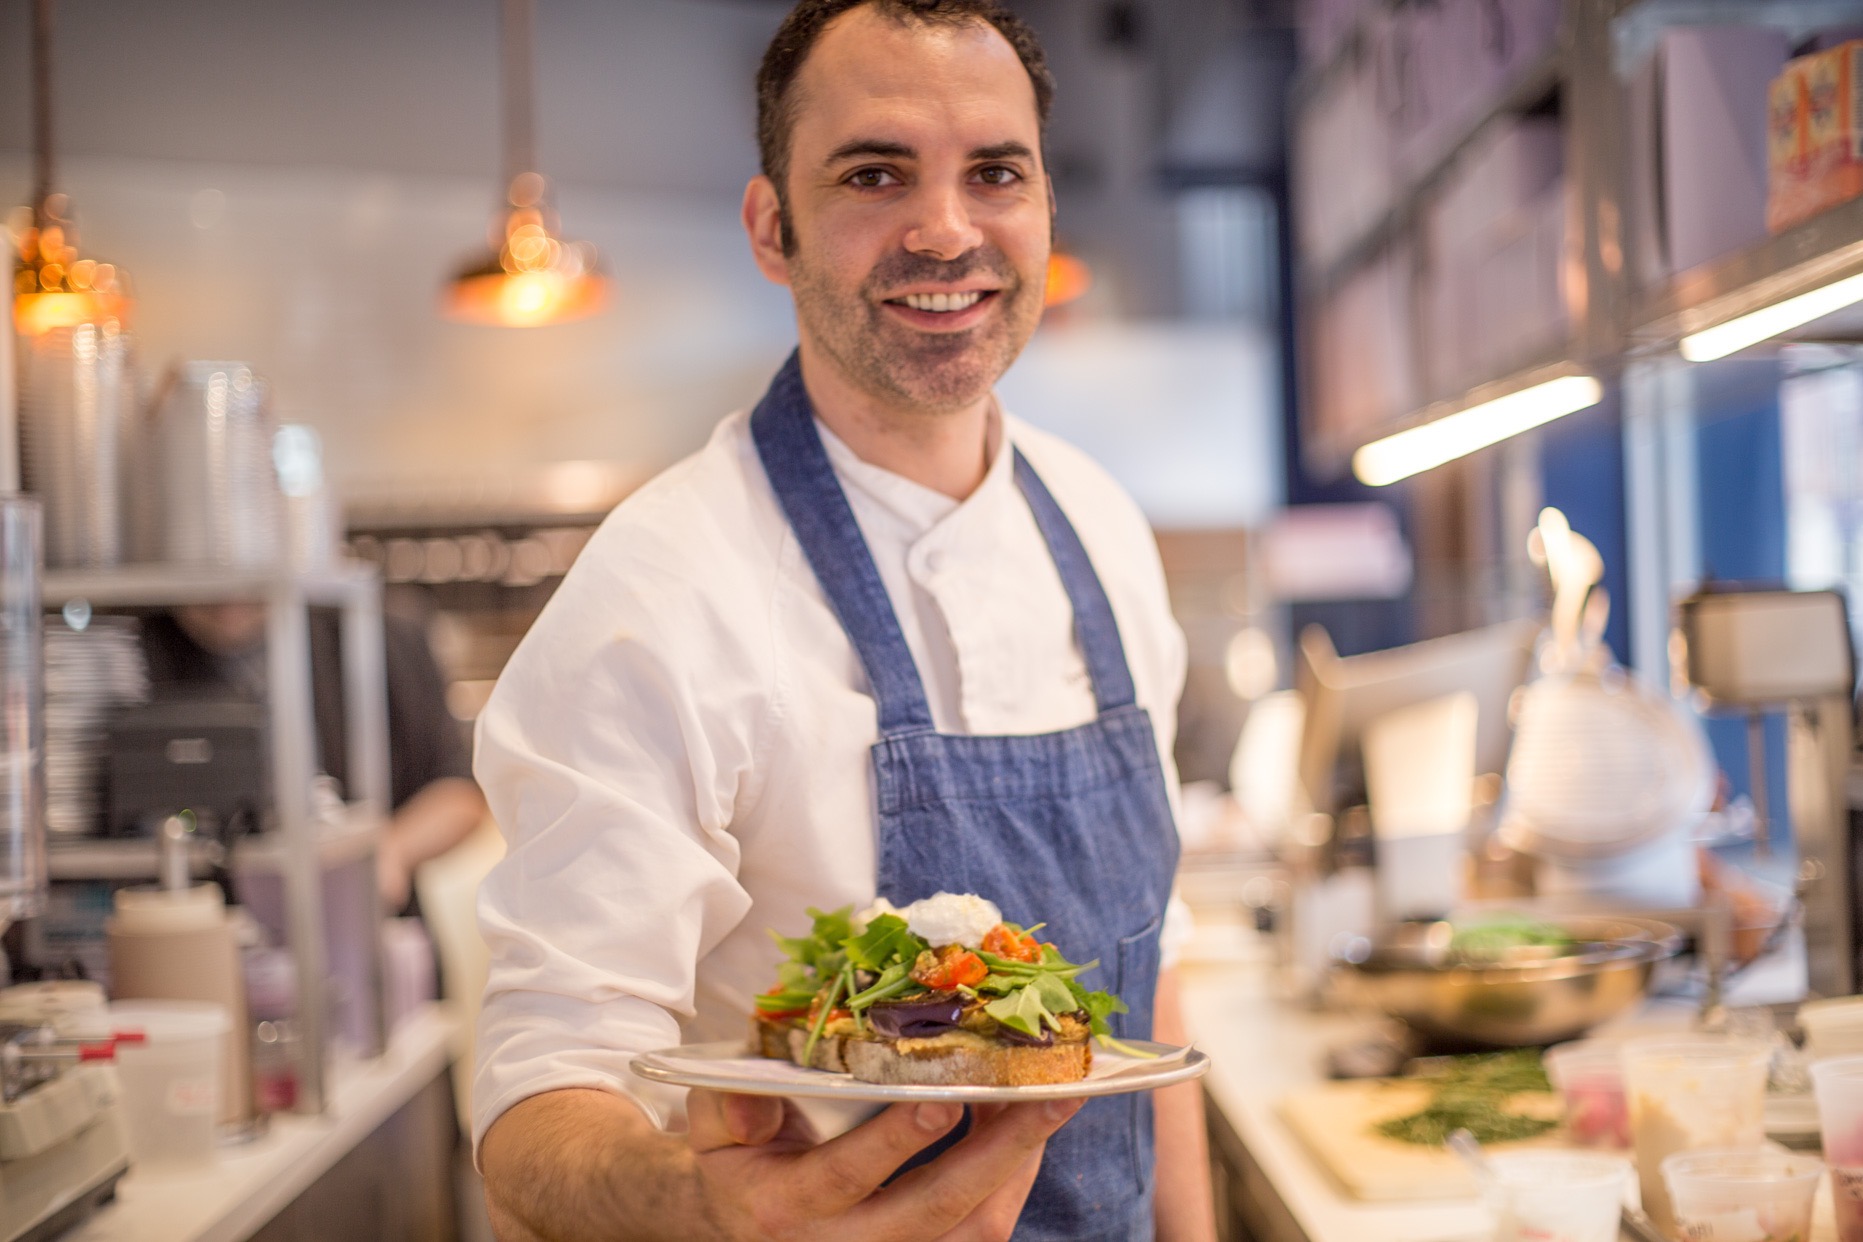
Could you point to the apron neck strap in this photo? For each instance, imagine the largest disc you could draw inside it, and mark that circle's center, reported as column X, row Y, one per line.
column 783, row 428
column 1095, row 628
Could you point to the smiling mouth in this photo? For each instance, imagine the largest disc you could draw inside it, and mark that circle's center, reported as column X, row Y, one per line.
column 943, row 303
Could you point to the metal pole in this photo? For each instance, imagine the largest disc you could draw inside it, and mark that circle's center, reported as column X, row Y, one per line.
column 294, row 764
column 1756, row 780
column 41, row 101
column 517, row 53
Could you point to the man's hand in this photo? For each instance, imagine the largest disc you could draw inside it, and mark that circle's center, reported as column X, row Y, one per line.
column 762, row 1175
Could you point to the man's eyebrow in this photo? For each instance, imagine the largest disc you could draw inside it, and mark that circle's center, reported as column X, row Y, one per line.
column 871, row 148
column 1003, row 151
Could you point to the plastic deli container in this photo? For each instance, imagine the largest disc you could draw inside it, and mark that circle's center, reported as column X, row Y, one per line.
column 1556, row 1196
column 1589, row 1075
column 171, row 1080
column 1833, row 1028
column 1756, row 1194
column 1691, row 1093
column 1838, row 1084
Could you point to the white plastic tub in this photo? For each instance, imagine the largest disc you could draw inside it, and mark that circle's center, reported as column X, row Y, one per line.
column 171, row 1081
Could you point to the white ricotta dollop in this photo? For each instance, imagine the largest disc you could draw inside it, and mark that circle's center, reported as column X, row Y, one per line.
column 952, row 918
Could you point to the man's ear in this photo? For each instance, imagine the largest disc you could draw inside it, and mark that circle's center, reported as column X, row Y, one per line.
column 763, row 224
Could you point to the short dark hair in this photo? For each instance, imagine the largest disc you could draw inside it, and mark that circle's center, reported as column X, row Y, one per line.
column 797, row 37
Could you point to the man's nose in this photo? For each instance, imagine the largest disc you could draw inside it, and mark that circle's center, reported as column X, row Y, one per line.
column 943, row 229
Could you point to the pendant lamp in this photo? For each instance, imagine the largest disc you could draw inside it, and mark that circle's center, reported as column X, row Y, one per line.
column 54, row 286
column 529, row 276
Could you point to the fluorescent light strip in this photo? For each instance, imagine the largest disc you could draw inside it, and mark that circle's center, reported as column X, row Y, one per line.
column 1423, row 448
column 1736, row 334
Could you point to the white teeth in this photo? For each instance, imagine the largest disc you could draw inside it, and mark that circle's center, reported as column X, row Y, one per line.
column 942, row 303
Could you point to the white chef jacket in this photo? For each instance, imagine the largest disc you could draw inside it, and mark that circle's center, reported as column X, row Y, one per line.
column 677, row 752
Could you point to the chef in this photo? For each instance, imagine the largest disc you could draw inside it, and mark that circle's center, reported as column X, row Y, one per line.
column 876, row 639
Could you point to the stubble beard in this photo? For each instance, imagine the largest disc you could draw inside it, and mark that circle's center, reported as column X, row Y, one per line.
column 916, row 373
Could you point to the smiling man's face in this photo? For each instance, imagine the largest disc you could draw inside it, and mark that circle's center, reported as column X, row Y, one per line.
column 919, row 209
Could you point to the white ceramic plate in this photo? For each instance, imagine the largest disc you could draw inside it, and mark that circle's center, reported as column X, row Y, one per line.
column 725, row 1066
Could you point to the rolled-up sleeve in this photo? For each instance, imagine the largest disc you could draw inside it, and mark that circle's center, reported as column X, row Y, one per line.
column 620, row 739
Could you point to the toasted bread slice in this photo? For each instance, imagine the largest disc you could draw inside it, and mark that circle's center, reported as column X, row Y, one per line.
column 828, row 1049
column 964, row 1058
column 769, row 1039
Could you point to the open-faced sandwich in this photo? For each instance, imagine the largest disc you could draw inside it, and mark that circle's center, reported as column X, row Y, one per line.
column 942, row 992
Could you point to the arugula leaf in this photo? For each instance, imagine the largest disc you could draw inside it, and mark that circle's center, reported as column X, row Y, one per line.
column 1036, row 1005
column 823, row 942
column 886, row 941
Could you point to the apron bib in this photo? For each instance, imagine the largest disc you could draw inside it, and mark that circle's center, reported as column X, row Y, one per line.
column 1073, row 828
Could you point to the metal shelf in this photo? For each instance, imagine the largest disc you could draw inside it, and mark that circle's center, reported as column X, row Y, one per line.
column 1533, row 86
column 94, row 858
column 1826, row 248
column 165, row 585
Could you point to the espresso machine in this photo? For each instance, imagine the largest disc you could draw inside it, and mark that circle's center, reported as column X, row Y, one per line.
column 63, row 1143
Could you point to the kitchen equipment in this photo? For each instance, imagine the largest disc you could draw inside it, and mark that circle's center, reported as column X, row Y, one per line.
column 1839, row 1087
column 93, row 666
column 63, row 1141
column 1555, row 1196
column 1608, row 777
column 172, row 1080
column 1691, row 1093
column 22, row 724
column 1336, row 1122
column 220, row 501
column 1589, row 1074
column 1741, row 1194
column 175, row 943
column 204, row 755
column 1526, row 997
column 78, row 404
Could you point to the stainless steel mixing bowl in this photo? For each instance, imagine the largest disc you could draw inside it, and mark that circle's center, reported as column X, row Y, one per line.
column 1529, row 996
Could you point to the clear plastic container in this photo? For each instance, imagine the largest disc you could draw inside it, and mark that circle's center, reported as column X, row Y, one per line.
column 171, row 1080
column 1838, row 1084
column 22, row 725
column 1556, row 1196
column 1589, row 1075
column 1756, row 1194
column 1691, row 1093
column 1833, row 1028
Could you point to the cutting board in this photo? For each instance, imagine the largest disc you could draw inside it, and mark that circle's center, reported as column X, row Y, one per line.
column 1335, row 1122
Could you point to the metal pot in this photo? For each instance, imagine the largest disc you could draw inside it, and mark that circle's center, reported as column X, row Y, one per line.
column 1528, row 997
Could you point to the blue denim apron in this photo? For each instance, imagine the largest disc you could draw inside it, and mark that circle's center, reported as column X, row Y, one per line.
column 1072, row 829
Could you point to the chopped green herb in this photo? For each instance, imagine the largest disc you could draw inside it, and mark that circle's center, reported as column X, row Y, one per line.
column 1472, row 1093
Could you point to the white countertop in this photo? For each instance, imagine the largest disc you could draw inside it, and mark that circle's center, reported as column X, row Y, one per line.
column 1262, row 1047
column 250, row 1184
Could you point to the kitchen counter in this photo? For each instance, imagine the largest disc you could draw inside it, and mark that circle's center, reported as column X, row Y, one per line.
column 1262, row 1047
column 250, row 1184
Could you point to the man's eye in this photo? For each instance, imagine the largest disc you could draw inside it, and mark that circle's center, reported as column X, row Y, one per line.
column 870, row 178
column 998, row 174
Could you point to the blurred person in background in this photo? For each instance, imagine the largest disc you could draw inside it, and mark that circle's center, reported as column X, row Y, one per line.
column 434, row 802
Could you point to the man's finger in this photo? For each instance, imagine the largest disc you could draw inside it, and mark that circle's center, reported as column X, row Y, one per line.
column 715, row 1119
column 846, row 1170
column 996, row 1216
column 937, row 1197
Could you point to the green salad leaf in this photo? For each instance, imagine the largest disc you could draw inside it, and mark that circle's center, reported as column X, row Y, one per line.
column 886, row 942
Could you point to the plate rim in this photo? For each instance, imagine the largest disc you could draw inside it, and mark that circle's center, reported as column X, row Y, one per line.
column 1193, row 1064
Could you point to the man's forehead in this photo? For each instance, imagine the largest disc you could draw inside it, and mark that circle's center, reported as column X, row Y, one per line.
column 963, row 83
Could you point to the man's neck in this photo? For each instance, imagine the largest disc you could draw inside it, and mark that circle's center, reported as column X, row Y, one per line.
column 949, row 452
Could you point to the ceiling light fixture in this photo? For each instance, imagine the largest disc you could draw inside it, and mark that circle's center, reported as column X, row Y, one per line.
column 1068, row 277
column 1768, row 322
column 53, row 285
column 1441, row 440
column 529, row 276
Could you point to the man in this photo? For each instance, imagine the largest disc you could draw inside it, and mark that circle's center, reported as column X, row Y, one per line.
column 875, row 639
column 433, row 800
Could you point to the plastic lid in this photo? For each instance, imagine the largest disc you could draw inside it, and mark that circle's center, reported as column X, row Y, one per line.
column 164, row 1021
column 152, row 911
column 72, row 1006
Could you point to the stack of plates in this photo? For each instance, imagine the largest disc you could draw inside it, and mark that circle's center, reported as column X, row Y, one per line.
column 88, row 674
column 219, row 497
column 78, row 413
